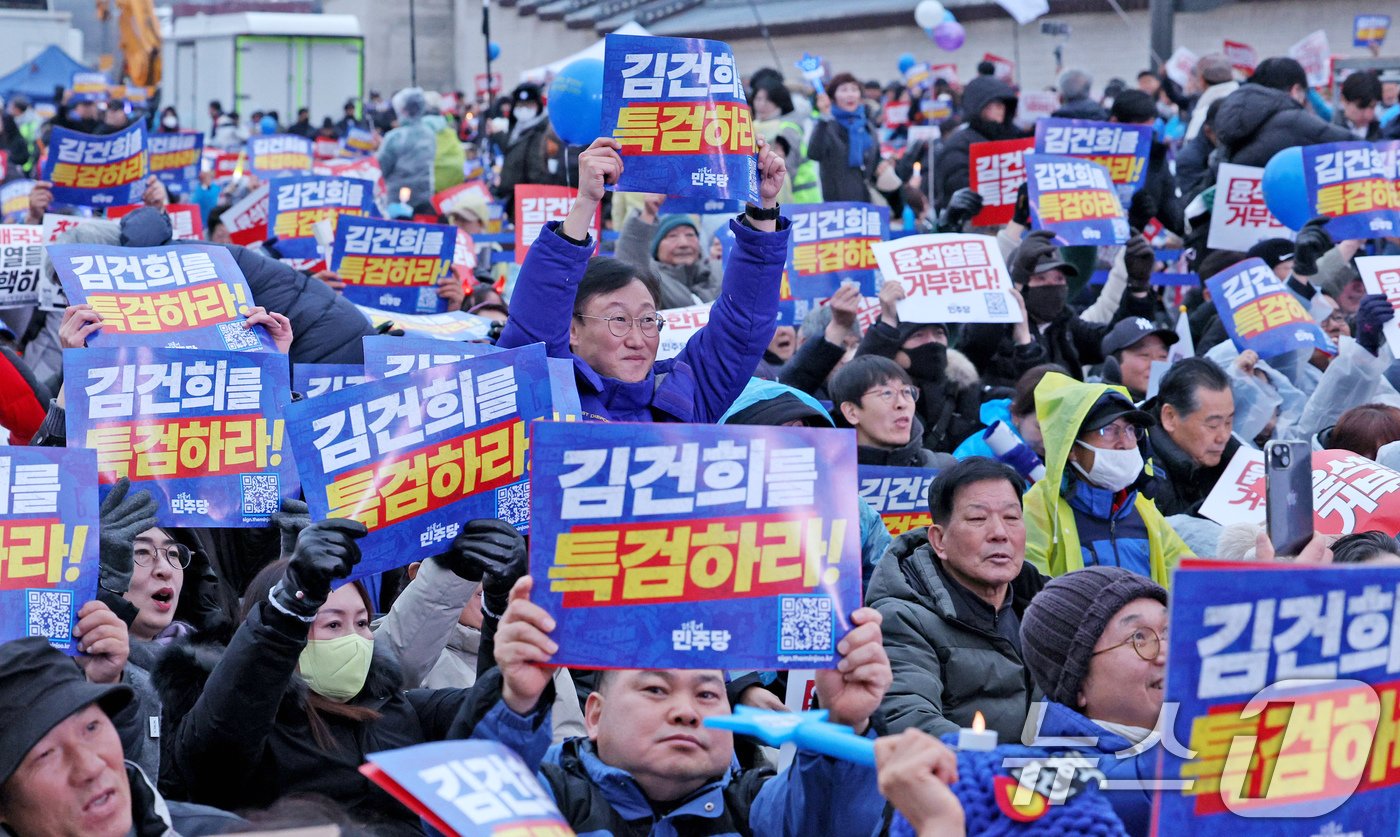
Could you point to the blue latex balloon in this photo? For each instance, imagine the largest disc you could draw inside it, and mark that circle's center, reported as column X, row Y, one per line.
column 493, row 49
column 948, row 17
column 1286, row 189
column 576, row 101
column 906, row 61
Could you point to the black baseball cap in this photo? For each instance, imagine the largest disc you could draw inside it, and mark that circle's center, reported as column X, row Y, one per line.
column 1054, row 262
column 1132, row 329
column 1110, row 407
column 40, row 689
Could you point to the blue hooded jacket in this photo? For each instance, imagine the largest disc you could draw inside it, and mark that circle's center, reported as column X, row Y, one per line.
column 697, row 385
column 1131, row 802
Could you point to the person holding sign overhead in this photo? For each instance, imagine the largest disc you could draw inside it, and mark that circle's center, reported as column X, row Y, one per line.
column 603, row 315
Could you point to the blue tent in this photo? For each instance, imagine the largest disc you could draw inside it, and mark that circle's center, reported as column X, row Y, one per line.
column 37, row 77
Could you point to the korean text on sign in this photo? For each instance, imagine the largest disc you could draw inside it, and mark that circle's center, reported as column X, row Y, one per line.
column 393, row 264
column 1259, row 313
column 949, row 278
column 88, row 170
column 1284, row 683
column 536, row 206
column 296, row 204
column 1353, row 184
column 1239, row 217
column 1122, row 149
column 681, row 325
column 14, row 200
column 831, row 244
column 185, row 219
column 1381, row 275
column 21, row 264
column 202, row 431
column 175, row 157
column 997, row 170
column 469, row 788
column 1369, row 30
column 315, row 379
column 695, row 546
column 279, row 154
column 48, row 541
column 188, row 295
column 452, row 325
column 677, row 107
column 414, row 456
column 900, row 495
column 1076, row 199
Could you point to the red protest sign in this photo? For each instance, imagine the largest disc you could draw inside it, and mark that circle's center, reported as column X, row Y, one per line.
column 185, row 221
column 997, row 171
column 536, row 206
column 496, row 83
column 1005, row 67
column 247, row 220
column 1350, row 493
column 896, row 114
column 1242, row 56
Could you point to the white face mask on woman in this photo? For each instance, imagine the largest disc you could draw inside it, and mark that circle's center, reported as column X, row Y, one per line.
column 170, row 122
column 1113, row 469
column 525, row 114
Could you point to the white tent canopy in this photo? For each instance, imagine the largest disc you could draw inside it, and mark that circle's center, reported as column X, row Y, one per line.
column 539, row 74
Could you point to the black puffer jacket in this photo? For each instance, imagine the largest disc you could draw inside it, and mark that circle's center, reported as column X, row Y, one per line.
column 1254, row 123
column 952, row 169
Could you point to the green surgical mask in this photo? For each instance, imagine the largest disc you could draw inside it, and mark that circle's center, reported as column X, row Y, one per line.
column 336, row 668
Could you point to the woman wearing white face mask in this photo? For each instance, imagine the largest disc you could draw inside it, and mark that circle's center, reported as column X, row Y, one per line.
column 1090, row 509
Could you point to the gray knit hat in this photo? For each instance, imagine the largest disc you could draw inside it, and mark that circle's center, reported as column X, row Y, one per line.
column 1064, row 621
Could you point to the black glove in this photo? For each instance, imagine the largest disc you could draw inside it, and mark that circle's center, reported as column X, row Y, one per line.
column 1375, row 311
column 492, row 552
column 388, row 328
column 325, row 551
column 1139, row 259
column 122, row 517
column 1022, row 213
column 290, row 520
column 1031, row 252
column 1311, row 243
column 1141, row 209
column 964, row 204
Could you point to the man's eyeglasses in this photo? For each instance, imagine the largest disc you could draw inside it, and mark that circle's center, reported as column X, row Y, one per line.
column 1114, row 432
column 178, row 556
column 622, row 326
column 888, row 394
column 1145, row 641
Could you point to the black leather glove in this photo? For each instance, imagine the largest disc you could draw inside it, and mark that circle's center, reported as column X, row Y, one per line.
column 290, row 520
column 122, row 517
column 1372, row 315
column 1142, row 208
column 1311, row 243
column 1031, row 252
column 388, row 328
column 964, row 204
column 1139, row 259
column 492, row 552
column 325, row 550
column 1021, row 214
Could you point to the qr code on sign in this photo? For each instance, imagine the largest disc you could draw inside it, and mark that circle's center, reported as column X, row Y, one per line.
column 49, row 614
column 808, row 625
column 260, row 494
column 513, row 503
column 996, row 303
column 238, row 338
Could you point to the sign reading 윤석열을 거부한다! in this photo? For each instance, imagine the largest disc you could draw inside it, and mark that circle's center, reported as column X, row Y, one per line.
column 677, row 107
column 1353, row 183
column 177, row 296
column 1122, row 149
column 97, row 171
column 830, row 244
column 393, row 265
column 1075, row 199
column 202, row 431
column 1260, row 314
column 695, row 546
column 49, row 537
column 414, row 456
column 1281, row 686
column 1239, row 218
column 949, row 278
column 296, row 204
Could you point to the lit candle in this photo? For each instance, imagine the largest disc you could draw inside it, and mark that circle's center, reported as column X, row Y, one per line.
column 404, row 192
column 918, row 167
column 978, row 738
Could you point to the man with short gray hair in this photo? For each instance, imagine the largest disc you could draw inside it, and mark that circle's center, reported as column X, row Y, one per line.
column 1212, row 79
column 1075, row 102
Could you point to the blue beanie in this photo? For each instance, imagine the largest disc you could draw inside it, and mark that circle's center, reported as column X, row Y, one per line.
column 268, row 125
column 668, row 223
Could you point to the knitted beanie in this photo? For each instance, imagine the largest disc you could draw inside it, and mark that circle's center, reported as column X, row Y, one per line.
column 668, row 223
column 1064, row 621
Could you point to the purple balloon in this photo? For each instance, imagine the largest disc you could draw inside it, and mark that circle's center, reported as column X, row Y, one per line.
column 949, row 35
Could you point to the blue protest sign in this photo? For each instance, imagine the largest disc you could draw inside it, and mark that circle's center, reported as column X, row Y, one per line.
column 88, row 87
column 175, row 158
column 1158, row 280
column 1369, row 30
column 415, row 456
column 279, row 154
column 295, row 204
column 1074, row 198
column 315, row 379
column 88, row 170
column 900, row 495
column 468, row 788
column 830, row 244
column 677, row 107
column 393, row 265
column 360, row 141
column 1281, row 685
column 693, row 546
column 1259, row 313
column 1352, row 183
column 176, row 296
column 14, row 201
column 698, row 206
column 202, row 431
column 1122, row 149
column 48, row 534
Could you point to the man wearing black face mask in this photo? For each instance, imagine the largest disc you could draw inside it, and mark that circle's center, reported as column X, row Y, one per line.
column 947, row 407
column 989, row 104
column 1051, row 331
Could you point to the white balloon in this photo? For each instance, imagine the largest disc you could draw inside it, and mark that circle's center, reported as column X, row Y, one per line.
column 928, row 14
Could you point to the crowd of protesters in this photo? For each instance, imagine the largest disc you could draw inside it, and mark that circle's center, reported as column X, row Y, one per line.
column 225, row 683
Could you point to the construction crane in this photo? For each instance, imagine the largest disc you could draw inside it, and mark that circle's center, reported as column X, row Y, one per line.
column 138, row 38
